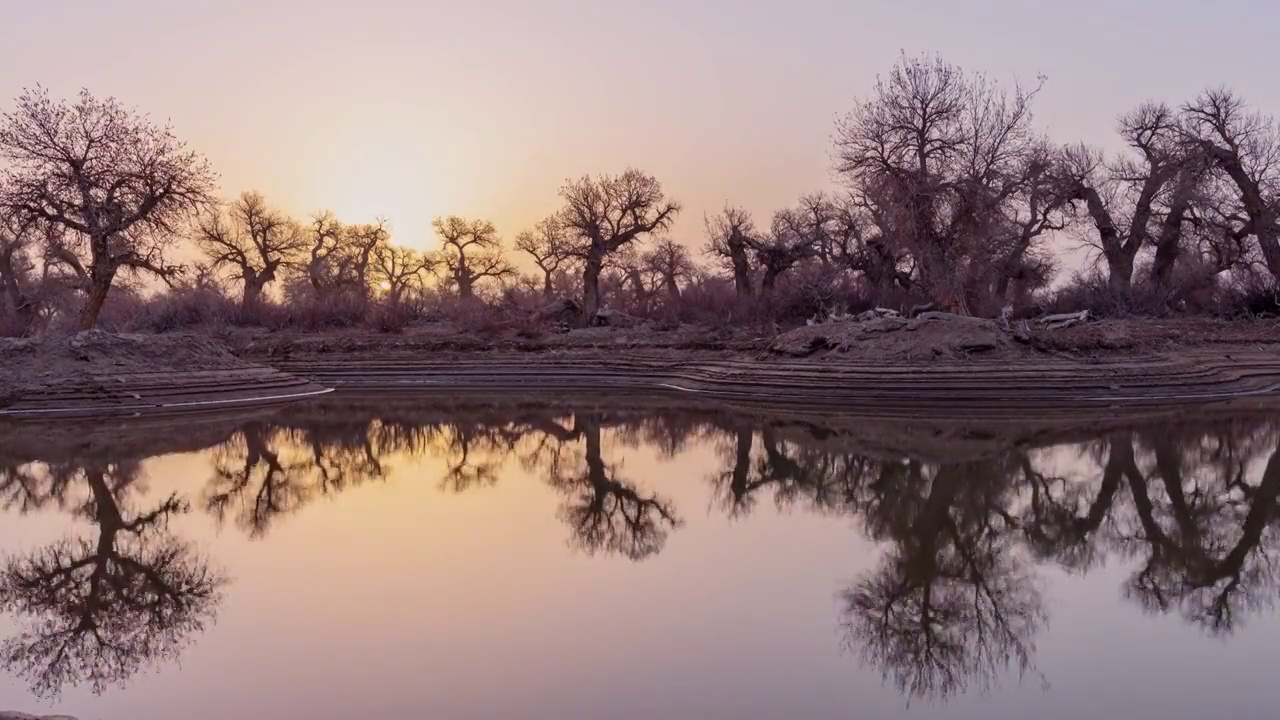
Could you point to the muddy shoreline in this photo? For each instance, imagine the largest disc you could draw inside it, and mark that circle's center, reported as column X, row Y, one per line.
column 969, row 369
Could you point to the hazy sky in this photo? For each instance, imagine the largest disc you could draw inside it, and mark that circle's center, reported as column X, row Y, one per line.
column 414, row 109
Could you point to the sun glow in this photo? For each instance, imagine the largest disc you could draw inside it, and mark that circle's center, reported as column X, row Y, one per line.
column 381, row 181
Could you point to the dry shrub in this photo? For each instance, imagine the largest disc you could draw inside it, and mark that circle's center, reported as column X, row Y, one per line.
column 1248, row 296
column 814, row 291
column 392, row 318
column 329, row 311
column 187, row 308
column 1093, row 292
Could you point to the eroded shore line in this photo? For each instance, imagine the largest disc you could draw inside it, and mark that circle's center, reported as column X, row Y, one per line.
column 968, row 386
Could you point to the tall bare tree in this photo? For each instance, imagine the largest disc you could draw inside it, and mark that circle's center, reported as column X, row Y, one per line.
column 671, row 263
column 119, row 183
column 1245, row 145
column 341, row 256
column 937, row 152
column 470, row 251
column 729, row 238
column 400, row 270
column 550, row 248
column 1121, row 197
column 607, row 213
column 254, row 240
column 790, row 241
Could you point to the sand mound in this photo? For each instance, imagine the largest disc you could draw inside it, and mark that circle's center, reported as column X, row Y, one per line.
column 930, row 336
column 93, row 358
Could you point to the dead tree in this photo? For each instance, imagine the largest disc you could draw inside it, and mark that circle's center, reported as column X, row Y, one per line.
column 1245, row 146
column 607, row 213
column 549, row 247
column 671, row 263
column 1018, row 260
column 937, row 152
column 729, row 238
column 254, row 240
column 341, row 256
column 470, row 251
column 324, row 243
column 399, row 270
column 785, row 246
column 121, row 185
column 1121, row 197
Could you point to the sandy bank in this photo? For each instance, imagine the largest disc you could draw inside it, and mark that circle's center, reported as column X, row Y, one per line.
column 887, row 367
column 96, row 373
column 883, row 367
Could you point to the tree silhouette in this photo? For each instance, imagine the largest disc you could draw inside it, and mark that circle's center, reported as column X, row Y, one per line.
column 951, row 605
column 97, row 610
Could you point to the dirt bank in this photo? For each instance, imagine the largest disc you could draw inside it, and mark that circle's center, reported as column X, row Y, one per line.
column 889, row 366
column 97, row 371
column 886, row 365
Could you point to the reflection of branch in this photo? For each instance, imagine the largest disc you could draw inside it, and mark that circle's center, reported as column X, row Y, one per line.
column 950, row 606
column 266, row 473
column 99, row 610
column 1197, row 568
column 609, row 515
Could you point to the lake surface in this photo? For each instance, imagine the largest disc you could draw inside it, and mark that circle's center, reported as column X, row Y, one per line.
column 489, row 557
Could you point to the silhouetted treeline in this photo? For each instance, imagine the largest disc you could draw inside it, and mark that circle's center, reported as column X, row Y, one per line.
column 948, row 193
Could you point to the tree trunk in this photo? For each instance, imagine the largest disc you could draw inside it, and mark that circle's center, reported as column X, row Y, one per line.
column 547, row 289
column 673, row 287
column 98, row 289
column 1119, row 271
column 741, row 269
column 253, row 286
column 770, row 280
column 465, row 285
column 1169, row 242
column 638, row 291
column 591, row 289
column 1261, row 216
column 23, row 308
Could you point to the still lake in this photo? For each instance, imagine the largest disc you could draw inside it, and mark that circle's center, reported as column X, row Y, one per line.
column 497, row 557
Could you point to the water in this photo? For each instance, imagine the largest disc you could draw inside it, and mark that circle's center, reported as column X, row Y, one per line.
column 494, row 557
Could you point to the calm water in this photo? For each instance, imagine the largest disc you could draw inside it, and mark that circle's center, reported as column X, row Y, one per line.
column 485, row 558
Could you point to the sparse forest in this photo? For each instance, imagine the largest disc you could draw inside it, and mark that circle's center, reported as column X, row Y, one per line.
column 947, row 194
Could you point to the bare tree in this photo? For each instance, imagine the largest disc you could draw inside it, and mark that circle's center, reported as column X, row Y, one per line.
column 1121, row 197
column 671, row 262
column 788, row 242
column 470, row 251
column 100, row 608
column 121, row 184
column 324, row 242
column 729, row 238
column 549, row 246
column 341, row 256
column 1017, row 255
column 400, row 270
column 1245, row 145
column 937, row 153
column 605, row 214
column 253, row 239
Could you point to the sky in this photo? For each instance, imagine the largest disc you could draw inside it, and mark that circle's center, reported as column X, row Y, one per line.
column 409, row 110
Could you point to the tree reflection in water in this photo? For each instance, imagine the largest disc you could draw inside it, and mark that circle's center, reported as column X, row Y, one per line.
column 954, row 602
column 96, row 609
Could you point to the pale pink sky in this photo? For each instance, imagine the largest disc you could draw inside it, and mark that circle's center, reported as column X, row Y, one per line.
column 415, row 109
